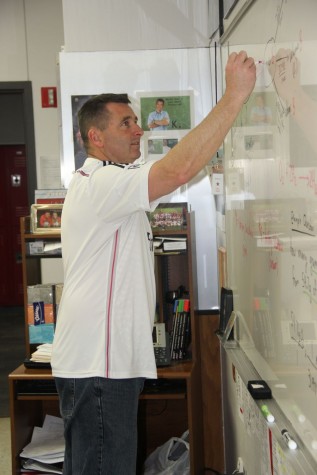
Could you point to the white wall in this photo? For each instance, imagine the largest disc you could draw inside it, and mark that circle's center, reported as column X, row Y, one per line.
column 31, row 36
column 13, row 58
column 44, row 37
column 125, row 25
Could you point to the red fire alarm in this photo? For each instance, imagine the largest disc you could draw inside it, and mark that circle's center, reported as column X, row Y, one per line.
column 49, row 96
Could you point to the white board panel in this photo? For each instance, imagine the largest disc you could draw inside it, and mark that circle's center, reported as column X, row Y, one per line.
column 271, row 202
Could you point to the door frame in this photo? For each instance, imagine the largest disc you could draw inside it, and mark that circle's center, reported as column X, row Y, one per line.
column 25, row 88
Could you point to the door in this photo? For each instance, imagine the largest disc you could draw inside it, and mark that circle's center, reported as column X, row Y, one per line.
column 17, row 183
column 14, row 204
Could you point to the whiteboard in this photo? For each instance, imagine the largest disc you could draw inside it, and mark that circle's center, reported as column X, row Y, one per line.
column 270, row 162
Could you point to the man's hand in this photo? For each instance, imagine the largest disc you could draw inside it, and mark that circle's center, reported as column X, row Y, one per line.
column 240, row 76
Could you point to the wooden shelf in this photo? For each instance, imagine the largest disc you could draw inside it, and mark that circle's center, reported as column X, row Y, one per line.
column 40, row 397
column 177, row 370
column 41, row 236
column 172, row 232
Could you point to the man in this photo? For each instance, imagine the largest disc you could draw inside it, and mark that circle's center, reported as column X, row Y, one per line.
column 103, row 345
column 158, row 119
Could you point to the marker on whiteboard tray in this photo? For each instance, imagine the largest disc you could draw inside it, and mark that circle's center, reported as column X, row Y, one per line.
column 288, row 439
column 267, row 413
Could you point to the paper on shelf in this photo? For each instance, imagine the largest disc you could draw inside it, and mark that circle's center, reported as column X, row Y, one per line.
column 31, row 464
column 47, row 444
column 52, row 246
column 43, row 353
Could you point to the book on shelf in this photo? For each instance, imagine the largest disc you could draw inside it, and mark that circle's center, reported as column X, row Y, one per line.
column 174, row 245
column 50, row 196
column 180, row 329
column 178, row 304
column 167, row 244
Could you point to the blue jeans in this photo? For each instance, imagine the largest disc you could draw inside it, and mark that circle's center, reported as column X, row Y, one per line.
column 100, row 421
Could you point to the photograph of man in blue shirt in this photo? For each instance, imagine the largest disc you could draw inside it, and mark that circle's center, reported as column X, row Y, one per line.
column 158, row 119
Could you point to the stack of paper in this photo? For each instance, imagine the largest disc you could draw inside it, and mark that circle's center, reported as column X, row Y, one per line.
column 38, row 468
column 46, row 448
column 42, row 354
column 53, row 247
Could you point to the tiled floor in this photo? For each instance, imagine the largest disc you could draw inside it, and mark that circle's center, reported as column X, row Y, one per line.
column 5, row 446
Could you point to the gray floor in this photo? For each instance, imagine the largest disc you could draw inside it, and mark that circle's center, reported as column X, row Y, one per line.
column 12, row 350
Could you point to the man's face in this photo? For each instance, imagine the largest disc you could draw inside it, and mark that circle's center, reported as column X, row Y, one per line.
column 121, row 138
column 159, row 106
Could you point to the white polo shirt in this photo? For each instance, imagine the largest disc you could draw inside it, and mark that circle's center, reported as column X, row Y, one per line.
column 105, row 318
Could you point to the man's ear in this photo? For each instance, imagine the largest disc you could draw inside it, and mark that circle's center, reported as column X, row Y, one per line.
column 94, row 137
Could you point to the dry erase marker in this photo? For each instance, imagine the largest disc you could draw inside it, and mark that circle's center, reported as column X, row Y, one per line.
column 267, row 413
column 288, row 439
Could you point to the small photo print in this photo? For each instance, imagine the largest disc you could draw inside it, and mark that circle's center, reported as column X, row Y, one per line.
column 46, row 218
column 158, row 146
column 259, row 111
column 258, row 142
column 166, row 111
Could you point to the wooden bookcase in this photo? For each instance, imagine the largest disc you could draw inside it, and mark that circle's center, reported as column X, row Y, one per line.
column 163, row 413
column 31, row 266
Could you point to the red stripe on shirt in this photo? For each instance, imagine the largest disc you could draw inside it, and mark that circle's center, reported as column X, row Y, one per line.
column 82, row 173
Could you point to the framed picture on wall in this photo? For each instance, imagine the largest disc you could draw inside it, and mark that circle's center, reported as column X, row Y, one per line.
column 158, row 145
column 166, row 111
column 169, row 216
column 46, row 218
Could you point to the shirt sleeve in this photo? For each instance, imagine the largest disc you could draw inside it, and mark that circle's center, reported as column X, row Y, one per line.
column 116, row 192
